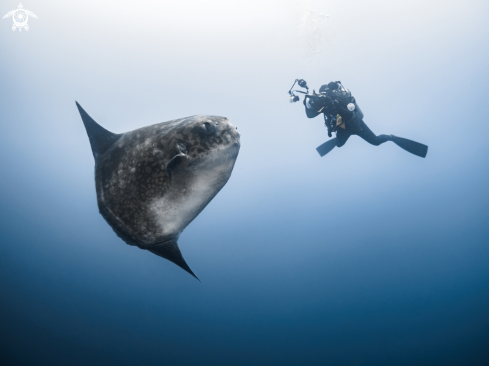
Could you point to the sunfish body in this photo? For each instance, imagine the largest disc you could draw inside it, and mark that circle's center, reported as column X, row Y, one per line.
column 152, row 182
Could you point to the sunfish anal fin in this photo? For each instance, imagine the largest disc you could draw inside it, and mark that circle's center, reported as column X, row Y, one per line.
column 171, row 251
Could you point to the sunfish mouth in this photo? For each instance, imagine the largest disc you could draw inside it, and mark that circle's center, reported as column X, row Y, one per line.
column 233, row 131
column 237, row 135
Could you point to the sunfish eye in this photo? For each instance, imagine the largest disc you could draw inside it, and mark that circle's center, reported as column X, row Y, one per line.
column 208, row 127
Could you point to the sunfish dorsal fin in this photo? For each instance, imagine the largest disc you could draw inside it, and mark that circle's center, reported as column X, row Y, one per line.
column 171, row 251
column 100, row 139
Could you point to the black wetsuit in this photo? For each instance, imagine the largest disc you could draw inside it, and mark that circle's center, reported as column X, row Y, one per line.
column 334, row 103
column 342, row 135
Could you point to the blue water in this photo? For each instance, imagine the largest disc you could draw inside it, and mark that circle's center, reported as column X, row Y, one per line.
column 368, row 256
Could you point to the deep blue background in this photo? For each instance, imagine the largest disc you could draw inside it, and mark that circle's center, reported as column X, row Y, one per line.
column 368, row 256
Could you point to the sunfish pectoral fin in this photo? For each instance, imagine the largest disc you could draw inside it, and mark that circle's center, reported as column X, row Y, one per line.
column 177, row 159
column 171, row 251
column 100, row 139
column 182, row 154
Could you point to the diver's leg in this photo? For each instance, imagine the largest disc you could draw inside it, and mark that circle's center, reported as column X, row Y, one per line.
column 413, row 147
column 341, row 137
column 365, row 133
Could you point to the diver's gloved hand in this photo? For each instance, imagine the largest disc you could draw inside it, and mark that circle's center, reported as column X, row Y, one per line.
column 315, row 102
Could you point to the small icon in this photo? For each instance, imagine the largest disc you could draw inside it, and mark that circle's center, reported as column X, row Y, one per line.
column 20, row 16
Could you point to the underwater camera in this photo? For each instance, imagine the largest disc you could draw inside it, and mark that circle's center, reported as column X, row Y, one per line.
column 292, row 96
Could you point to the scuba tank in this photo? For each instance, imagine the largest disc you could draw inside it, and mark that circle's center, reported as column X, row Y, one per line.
column 358, row 111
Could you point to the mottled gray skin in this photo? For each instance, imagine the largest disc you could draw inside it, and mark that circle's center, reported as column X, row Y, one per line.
column 152, row 182
column 136, row 195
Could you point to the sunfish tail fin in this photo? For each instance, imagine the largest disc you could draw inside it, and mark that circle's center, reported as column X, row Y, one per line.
column 172, row 252
column 413, row 147
column 100, row 139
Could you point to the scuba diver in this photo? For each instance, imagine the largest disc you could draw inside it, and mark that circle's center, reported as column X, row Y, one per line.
column 343, row 116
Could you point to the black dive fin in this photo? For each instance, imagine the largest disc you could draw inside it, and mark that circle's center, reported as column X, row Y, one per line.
column 100, row 138
column 411, row 146
column 171, row 251
column 326, row 147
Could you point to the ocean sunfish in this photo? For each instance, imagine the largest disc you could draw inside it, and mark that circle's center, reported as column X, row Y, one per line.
column 153, row 181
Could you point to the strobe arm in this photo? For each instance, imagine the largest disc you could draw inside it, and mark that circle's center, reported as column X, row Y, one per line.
column 302, row 84
column 292, row 87
column 293, row 97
